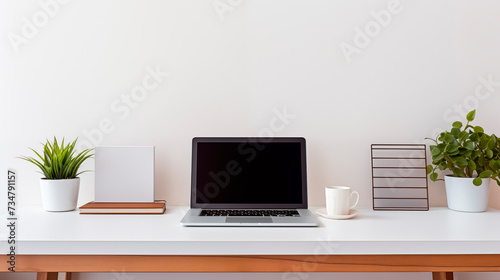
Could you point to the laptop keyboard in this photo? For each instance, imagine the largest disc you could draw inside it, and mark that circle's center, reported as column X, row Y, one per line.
column 250, row 212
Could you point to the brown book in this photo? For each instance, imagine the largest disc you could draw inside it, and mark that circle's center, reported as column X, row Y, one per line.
column 157, row 207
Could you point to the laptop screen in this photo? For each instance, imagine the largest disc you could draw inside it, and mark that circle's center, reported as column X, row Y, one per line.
column 249, row 173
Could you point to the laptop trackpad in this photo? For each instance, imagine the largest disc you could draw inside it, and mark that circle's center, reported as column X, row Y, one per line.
column 248, row 220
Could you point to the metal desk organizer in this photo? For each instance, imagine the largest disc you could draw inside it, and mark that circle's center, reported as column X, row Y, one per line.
column 399, row 177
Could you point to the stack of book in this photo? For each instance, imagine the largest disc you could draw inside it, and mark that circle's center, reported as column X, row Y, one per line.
column 157, row 207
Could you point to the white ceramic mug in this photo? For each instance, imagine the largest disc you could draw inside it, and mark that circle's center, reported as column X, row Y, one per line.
column 338, row 200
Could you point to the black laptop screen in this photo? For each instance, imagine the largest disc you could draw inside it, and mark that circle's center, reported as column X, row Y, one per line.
column 249, row 173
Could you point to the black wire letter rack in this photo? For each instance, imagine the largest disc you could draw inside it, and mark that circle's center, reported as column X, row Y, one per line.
column 399, row 178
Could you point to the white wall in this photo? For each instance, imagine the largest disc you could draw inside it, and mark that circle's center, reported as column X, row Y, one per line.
column 229, row 72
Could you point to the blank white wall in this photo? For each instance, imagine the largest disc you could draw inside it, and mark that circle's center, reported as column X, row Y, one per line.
column 78, row 75
column 230, row 73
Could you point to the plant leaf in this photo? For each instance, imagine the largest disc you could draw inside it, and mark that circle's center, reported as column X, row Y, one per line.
column 474, row 137
column 435, row 150
column 480, row 160
column 489, row 153
column 486, row 174
column 433, row 176
column 471, row 115
column 476, row 154
column 478, row 129
column 469, row 145
column 483, row 141
column 442, row 165
column 458, row 172
column 466, row 154
column 462, row 136
column 429, row 169
column 472, row 165
column 492, row 142
column 453, row 148
column 449, row 138
column 457, row 124
column 460, row 161
column 477, row 181
column 437, row 158
column 58, row 160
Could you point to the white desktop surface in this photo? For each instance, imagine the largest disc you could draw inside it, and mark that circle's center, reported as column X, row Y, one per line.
column 438, row 231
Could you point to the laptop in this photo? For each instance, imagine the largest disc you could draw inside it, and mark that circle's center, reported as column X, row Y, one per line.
column 249, row 181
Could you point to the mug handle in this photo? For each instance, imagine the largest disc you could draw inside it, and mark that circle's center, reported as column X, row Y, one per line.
column 357, row 199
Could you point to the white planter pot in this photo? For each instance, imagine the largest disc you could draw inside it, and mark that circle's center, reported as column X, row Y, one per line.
column 463, row 195
column 60, row 195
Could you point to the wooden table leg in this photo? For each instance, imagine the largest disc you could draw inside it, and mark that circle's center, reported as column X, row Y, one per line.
column 68, row 276
column 442, row 276
column 46, row 276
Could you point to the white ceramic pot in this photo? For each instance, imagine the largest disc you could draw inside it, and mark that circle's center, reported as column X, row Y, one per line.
column 463, row 195
column 60, row 195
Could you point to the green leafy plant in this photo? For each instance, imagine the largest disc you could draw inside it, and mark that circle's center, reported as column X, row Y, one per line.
column 59, row 161
column 467, row 152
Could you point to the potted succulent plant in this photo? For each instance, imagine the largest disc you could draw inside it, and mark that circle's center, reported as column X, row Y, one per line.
column 474, row 159
column 59, row 164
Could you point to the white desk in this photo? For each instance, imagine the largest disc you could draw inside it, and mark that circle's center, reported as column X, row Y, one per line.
column 372, row 241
